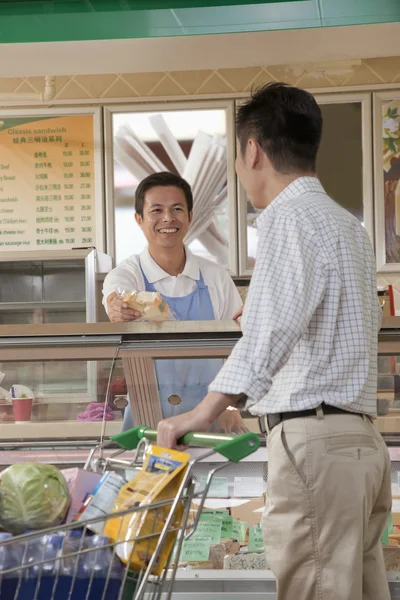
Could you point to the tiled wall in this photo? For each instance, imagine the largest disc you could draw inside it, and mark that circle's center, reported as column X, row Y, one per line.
column 208, row 83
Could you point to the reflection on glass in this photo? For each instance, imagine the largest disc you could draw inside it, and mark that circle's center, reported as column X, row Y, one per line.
column 191, row 143
column 183, row 382
column 63, row 390
column 252, row 235
column 339, row 165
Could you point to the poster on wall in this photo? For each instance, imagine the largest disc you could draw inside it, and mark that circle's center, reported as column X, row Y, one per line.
column 387, row 180
column 49, row 181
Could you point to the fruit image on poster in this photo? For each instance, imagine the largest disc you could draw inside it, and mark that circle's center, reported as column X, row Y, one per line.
column 47, row 182
column 391, row 173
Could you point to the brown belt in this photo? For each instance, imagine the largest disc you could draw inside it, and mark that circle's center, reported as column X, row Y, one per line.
column 274, row 419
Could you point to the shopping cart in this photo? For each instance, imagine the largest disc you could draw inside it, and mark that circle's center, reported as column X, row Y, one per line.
column 69, row 562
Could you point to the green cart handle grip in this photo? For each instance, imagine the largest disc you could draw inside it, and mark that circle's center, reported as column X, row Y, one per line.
column 233, row 447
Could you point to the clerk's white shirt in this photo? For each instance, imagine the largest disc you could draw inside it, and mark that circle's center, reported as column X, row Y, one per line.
column 128, row 277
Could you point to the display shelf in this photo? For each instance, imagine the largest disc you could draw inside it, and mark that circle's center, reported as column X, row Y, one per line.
column 226, row 575
column 57, row 430
column 236, row 585
column 55, row 280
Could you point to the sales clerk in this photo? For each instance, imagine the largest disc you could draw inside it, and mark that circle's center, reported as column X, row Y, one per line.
column 194, row 288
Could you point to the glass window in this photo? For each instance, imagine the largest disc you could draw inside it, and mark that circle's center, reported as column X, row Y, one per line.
column 192, row 143
column 339, row 167
column 340, row 158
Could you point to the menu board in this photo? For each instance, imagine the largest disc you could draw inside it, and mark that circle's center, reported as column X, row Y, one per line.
column 47, row 182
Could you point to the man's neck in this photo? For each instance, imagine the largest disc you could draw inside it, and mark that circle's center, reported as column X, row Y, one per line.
column 276, row 184
column 171, row 260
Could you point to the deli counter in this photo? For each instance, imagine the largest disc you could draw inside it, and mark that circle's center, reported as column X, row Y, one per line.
column 81, row 378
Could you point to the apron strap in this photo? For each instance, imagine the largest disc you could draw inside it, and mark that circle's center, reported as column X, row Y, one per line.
column 149, row 287
column 200, row 283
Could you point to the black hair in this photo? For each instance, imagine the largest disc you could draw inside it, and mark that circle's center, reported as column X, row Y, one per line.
column 286, row 122
column 163, row 179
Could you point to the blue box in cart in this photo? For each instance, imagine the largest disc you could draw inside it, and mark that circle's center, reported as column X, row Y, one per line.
column 90, row 575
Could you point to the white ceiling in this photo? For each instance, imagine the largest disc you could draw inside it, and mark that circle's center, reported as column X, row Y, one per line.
column 200, row 52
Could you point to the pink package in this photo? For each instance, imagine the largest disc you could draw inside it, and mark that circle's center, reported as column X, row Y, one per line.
column 80, row 484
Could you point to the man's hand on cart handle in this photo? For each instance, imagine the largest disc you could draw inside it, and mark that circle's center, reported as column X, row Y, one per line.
column 199, row 419
column 230, row 421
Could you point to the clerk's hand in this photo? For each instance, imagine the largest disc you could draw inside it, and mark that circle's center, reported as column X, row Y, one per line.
column 238, row 314
column 230, row 421
column 119, row 311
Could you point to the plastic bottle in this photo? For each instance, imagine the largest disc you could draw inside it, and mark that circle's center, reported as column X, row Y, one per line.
column 92, row 575
column 39, row 579
column 9, row 559
column 103, row 570
column 72, row 584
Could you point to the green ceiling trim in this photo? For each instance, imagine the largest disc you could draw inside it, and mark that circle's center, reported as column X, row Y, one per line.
column 62, row 6
column 73, row 20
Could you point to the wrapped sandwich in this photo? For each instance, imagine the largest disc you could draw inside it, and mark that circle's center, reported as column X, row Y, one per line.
column 150, row 305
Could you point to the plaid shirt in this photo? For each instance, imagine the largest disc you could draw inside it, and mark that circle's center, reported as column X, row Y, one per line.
column 312, row 315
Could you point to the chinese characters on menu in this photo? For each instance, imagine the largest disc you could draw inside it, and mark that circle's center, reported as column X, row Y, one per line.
column 47, row 183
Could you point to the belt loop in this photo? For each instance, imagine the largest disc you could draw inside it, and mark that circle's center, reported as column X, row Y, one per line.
column 267, row 427
column 320, row 412
column 263, row 424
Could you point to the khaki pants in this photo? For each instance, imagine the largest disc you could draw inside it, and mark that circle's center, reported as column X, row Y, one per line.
column 328, row 501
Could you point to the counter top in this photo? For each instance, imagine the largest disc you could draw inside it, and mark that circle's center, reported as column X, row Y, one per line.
column 390, row 323
column 138, row 328
column 119, row 329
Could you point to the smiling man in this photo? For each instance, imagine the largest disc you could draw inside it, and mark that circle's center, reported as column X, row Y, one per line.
column 195, row 289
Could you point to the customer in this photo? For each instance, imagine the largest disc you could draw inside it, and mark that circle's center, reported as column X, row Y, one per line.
column 195, row 289
column 307, row 362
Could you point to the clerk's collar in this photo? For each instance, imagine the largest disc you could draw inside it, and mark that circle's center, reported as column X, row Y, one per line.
column 298, row 187
column 155, row 273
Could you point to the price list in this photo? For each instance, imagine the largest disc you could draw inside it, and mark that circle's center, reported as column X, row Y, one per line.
column 47, row 183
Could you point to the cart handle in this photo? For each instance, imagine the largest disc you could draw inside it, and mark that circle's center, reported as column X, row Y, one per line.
column 233, row 447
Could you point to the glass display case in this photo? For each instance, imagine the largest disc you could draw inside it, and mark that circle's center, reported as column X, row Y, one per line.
column 75, row 373
column 62, row 428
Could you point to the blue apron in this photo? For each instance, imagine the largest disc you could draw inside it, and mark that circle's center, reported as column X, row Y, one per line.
column 189, row 377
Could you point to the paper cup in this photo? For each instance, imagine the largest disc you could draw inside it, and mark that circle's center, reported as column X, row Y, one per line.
column 22, row 408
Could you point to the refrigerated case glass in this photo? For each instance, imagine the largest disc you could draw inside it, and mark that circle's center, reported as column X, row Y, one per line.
column 125, row 355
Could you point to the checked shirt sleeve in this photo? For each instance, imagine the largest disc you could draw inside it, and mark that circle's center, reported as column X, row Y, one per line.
column 287, row 286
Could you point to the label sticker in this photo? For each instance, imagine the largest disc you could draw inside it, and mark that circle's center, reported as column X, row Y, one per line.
column 256, row 541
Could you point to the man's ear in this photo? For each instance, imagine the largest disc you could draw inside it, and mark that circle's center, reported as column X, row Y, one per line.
column 138, row 219
column 190, row 216
column 253, row 153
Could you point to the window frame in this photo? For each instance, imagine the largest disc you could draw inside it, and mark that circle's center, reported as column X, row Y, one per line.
column 227, row 105
column 363, row 98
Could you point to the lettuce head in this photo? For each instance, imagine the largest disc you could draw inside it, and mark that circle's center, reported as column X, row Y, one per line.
column 32, row 496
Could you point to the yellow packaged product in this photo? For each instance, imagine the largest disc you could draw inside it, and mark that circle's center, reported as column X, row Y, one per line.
column 159, row 479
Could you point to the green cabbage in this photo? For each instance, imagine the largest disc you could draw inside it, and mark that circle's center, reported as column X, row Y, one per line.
column 32, row 496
